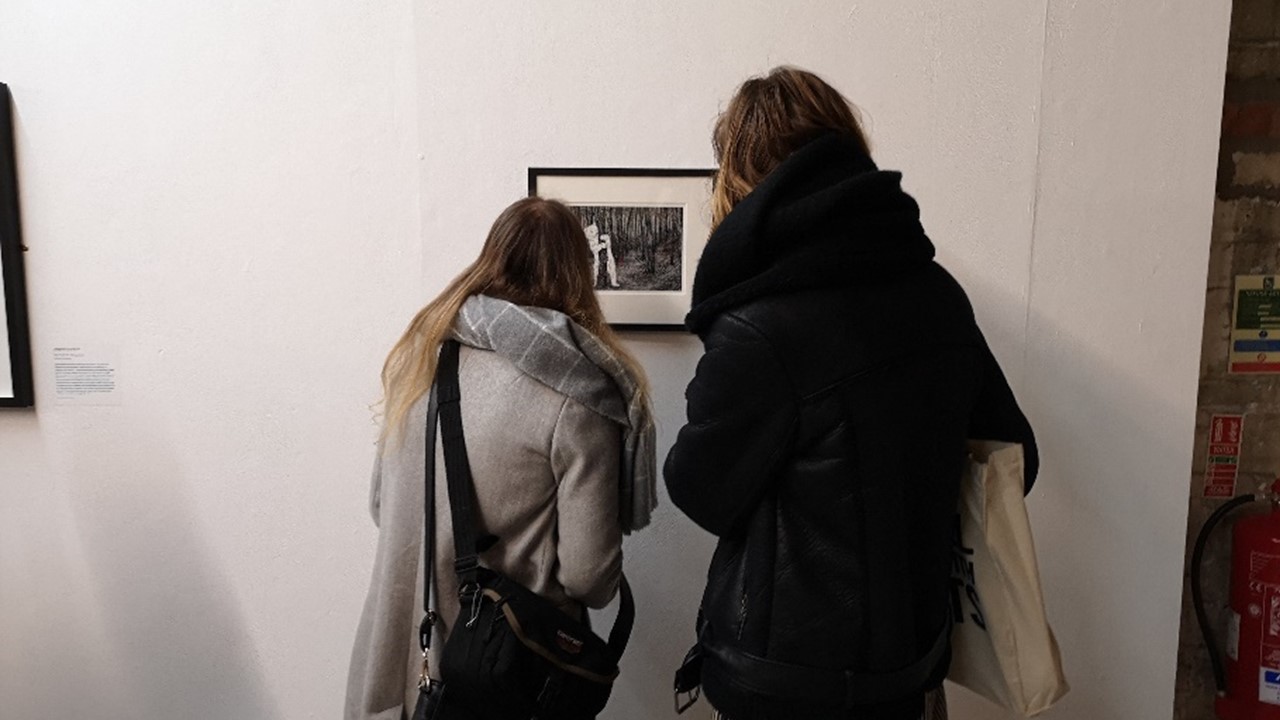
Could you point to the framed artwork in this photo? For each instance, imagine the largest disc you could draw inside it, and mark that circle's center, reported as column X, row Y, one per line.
column 15, row 344
column 647, row 229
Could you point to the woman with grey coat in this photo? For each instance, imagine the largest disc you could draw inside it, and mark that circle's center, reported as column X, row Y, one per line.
column 560, row 438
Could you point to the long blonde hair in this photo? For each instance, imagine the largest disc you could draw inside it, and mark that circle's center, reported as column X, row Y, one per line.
column 536, row 254
column 769, row 118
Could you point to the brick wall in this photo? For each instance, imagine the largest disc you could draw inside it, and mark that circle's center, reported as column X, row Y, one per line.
column 1245, row 241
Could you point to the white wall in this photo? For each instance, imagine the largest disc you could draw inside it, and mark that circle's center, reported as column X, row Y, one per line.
column 1132, row 101
column 227, row 194
column 233, row 197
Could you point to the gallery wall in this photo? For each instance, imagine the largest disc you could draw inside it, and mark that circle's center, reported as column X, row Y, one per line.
column 222, row 199
column 244, row 204
column 1125, row 187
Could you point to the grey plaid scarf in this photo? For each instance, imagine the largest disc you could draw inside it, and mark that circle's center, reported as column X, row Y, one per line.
column 552, row 349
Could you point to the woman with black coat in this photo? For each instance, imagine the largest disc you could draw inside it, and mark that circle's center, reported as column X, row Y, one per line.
column 827, row 422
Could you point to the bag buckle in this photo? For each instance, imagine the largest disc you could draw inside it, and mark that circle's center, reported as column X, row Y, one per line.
column 693, row 696
column 689, row 680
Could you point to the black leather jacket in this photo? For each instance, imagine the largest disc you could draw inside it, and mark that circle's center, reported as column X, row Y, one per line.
column 826, row 437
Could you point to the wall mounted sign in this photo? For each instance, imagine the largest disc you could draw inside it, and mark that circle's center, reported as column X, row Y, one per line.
column 85, row 376
column 1223, row 465
column 647, row 229
column 1255, row 325
column 15, row 343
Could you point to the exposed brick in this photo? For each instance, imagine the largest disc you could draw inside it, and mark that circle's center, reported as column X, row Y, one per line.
column 1221, row 235
column 1242, row 90
column 1199, row 456
column 1223, row 232
column 1215, row 342
column 1260, row 257
column 1226, row 168
column 1245, row 240
column 1254, row 120
column 1256, row 169
column 1254, row 61
column 1248, row 120
column 1240, row 393
column 1230, row 118
column 1246, row 218
column 1195, row 691
column 1260, row 453
column 1221, row 267
column 1257, row 483
column 1257, row 231
column 1231, row 215
column 1253, row 20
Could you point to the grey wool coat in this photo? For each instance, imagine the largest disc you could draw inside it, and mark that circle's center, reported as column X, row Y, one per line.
column 546, row 469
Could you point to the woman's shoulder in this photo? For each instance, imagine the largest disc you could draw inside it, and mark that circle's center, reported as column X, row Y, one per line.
column 489, row 377
column 489, row 373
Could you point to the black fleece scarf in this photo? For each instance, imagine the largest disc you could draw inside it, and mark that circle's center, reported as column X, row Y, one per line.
column 826, row 217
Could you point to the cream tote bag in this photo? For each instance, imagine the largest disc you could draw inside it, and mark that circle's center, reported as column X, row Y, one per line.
column 1001, row 645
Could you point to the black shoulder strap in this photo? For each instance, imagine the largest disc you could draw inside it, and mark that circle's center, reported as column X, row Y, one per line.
column 428, row 522
column 462, row 493
column 622, row 624
column 456, row 466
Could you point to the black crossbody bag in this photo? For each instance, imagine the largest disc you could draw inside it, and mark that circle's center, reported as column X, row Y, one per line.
column 511, row 655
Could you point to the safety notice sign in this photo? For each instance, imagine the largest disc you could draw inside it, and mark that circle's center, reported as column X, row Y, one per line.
column 1255, row 325
column 1225, row 435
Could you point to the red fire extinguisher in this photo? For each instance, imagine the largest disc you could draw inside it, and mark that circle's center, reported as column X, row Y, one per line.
column 1249, row 685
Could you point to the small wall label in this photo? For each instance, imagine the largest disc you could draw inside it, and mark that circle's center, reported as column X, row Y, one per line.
column 85, row 377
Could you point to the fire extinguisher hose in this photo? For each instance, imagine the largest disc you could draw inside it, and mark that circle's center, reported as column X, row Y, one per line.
column 1197, row 596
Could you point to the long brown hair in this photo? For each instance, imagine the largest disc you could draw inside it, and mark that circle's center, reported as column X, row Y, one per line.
column 536, row 254
column 769, row 118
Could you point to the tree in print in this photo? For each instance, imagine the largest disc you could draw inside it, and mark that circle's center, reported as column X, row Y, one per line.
column 647, row 243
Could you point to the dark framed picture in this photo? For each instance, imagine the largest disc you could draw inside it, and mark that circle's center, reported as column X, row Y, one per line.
column 15, row 344
column 646, row 227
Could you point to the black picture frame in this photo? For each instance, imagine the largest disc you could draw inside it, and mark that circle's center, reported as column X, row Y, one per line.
column 11, row 266
column 689, row 188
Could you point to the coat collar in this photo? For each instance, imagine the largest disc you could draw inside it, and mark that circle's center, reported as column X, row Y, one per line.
column 826, row 217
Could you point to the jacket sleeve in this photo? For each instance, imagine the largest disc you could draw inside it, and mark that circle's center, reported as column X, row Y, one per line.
column 586, row 457
column 742, row 414
column 996, row 416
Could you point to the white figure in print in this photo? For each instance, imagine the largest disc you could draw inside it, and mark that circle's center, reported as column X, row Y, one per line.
column 598, row 242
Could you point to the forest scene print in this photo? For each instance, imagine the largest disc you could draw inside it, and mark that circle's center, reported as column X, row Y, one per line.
column 638, row 248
